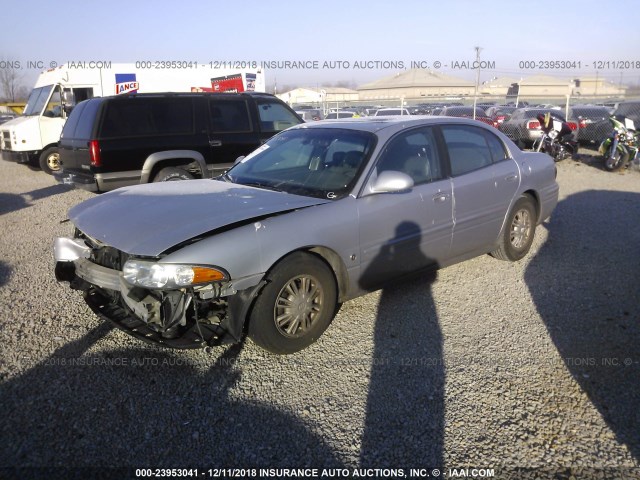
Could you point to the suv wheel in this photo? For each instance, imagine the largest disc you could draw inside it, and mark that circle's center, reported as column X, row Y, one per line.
column 169, row 174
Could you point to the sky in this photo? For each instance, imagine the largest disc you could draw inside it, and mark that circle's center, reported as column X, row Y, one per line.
column 399, row 32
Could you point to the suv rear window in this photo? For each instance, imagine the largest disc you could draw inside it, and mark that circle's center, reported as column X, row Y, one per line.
column 148, row 116
column 80, row 122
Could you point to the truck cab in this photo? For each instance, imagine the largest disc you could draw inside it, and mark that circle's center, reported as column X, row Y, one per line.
column 32, row 137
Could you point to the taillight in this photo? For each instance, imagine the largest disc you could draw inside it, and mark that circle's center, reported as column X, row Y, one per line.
column 500, row 118
column 94, row 153
column 572, row 125
column 584, row 122
column 533, row 125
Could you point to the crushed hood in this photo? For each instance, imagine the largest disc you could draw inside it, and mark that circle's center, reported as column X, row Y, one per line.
column 148, row 219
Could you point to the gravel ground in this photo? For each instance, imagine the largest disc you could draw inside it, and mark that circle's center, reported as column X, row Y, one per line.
column 532, row 365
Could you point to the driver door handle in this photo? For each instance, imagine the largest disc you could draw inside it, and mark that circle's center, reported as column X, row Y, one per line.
column 215, row 143
column 441, row 197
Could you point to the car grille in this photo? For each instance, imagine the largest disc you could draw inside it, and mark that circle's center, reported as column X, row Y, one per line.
column 6, row 140
column 105, row 256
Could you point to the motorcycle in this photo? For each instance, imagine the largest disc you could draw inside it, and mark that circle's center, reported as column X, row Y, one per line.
column 621, row 146
column 556, row 139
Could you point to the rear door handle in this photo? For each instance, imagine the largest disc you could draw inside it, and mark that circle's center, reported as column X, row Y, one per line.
column 215, row 143
column 511, row 178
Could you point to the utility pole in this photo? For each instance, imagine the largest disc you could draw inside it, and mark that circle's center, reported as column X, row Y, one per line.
column 475, row 97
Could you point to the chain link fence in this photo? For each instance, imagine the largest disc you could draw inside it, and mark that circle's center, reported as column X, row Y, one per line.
column 589, row 117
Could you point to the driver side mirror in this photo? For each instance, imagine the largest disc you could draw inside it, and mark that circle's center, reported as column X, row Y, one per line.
column 391, row 181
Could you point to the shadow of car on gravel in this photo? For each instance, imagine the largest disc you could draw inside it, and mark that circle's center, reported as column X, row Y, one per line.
column 404, row 421
column 584, row 282
column 144, row 408
column 5, row 273
column 11, row 202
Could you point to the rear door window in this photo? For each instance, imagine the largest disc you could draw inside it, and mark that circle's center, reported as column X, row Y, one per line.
column 467, row 147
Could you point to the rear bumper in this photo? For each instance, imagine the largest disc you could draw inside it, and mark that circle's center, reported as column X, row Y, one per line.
column 82, row 181
column 548, row 201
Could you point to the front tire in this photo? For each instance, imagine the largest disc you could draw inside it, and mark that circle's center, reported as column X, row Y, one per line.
column 49, row 160
column 296, row 306
column 170, row 174
column 519, row 231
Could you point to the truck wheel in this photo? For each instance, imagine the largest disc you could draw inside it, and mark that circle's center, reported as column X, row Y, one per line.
column 296, row 306
column 169, row 174
column 50, row 160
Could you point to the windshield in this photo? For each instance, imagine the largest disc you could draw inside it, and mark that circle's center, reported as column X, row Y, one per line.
column 322, row 163
column 37, row 100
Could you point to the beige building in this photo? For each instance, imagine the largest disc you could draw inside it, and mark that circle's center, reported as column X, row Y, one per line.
column 497, row 86
column 318, row 95
column 416, row 83
column 545, row 86
column 597, row 86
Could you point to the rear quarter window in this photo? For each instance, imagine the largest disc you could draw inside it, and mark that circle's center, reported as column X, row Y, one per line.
column 148, row 116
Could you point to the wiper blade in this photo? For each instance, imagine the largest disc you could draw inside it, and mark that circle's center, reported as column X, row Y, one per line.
column 266, row 186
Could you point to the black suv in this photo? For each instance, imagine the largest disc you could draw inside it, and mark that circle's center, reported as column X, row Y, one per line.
column 112, row 142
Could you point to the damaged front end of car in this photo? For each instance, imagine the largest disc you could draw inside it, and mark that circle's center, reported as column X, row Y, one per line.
column 173, row 305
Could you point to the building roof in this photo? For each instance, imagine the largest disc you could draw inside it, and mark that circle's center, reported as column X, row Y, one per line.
column 498, row 82
column 416, row 77
column 327, row 90
column 333, row 90
column 540, row 80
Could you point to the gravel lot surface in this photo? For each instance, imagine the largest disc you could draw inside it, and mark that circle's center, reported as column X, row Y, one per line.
column 489, row 364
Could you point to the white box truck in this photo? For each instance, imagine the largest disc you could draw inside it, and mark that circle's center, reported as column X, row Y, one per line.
column 33, row 137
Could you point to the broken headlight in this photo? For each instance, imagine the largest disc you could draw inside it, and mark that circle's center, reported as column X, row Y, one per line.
column 147, row 274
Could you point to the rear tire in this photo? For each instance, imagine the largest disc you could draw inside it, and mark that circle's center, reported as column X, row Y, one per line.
column 620, row 158
column 296, row 306
column 519, row 231
column 170, row 174
column 50, row 160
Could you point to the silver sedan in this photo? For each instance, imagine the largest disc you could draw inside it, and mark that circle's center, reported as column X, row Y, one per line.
column 318, row 215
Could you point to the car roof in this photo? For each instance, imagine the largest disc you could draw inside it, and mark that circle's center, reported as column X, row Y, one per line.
column 397, row 122
column 187, row 94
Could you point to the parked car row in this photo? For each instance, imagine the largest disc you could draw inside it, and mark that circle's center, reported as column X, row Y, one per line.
column 590, row 124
